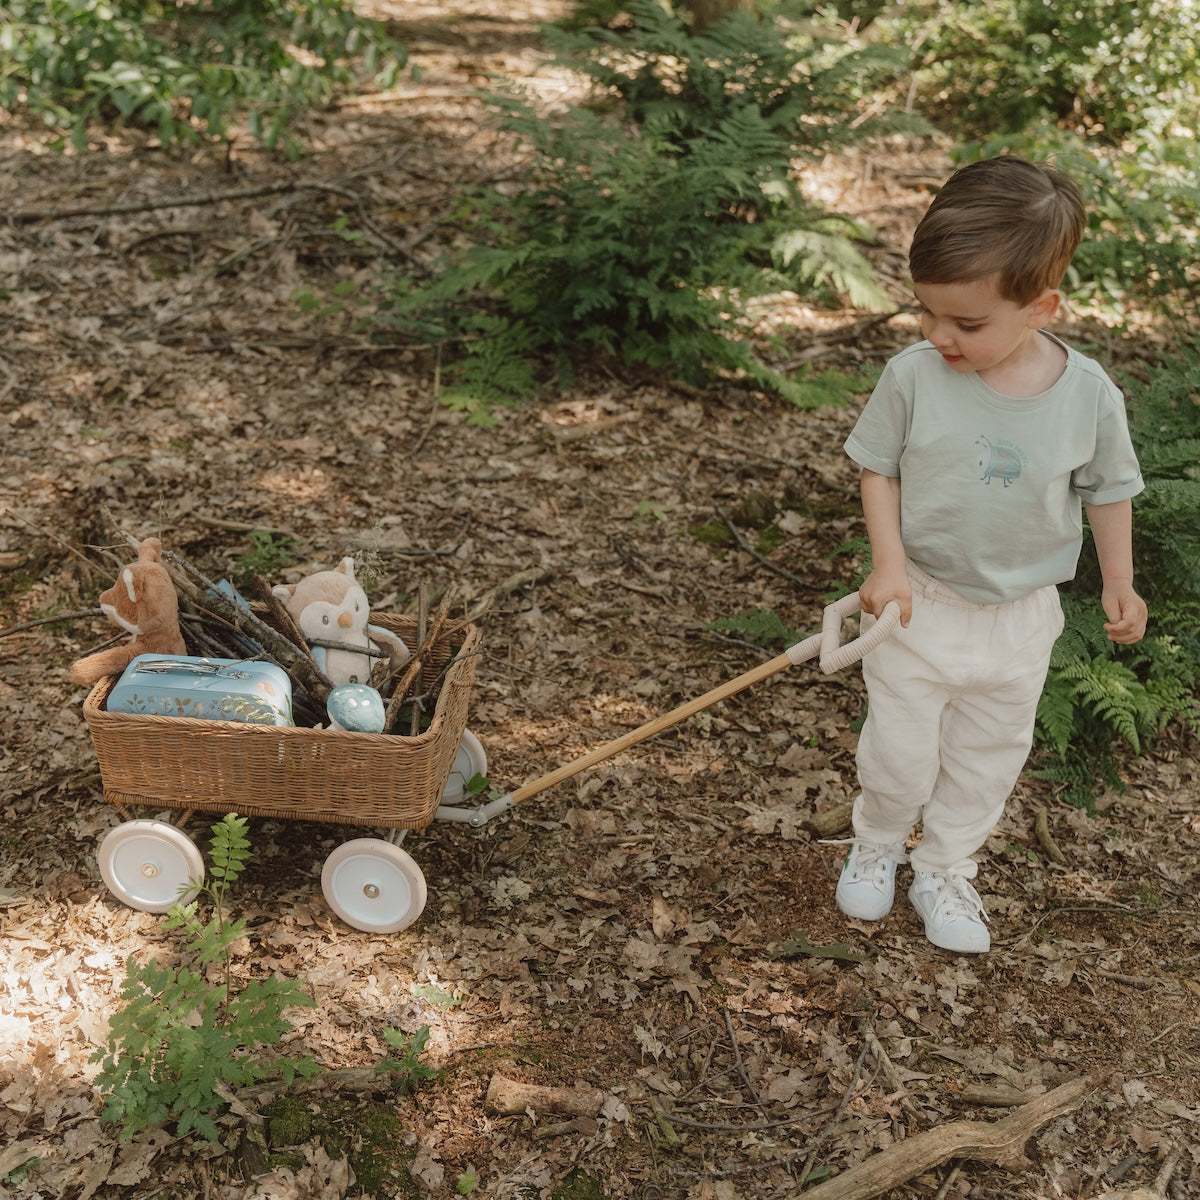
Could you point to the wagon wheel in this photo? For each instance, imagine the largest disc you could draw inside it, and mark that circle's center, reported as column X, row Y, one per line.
column 150, row 865
column 469, row 761
column 374, row 885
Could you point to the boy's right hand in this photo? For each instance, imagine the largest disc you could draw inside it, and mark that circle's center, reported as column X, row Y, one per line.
column 882, row 586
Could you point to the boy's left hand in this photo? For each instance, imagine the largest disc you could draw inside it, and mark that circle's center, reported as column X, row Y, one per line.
column 1126, row 612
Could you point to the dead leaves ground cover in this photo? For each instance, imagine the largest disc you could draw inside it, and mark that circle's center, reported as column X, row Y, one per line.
column 660, row 928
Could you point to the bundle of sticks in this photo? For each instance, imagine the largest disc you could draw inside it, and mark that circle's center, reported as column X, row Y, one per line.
column 218, row 623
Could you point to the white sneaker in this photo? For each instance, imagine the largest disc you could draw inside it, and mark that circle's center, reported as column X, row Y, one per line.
column 952, row 911
column 867, row 886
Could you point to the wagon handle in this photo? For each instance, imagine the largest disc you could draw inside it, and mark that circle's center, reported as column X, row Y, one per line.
column 832, row 656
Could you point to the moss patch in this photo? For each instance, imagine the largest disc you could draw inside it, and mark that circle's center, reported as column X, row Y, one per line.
column 367, row 1132
column 578, row 1185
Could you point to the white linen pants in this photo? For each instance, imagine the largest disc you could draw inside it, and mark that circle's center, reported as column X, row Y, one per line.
column 951, row 707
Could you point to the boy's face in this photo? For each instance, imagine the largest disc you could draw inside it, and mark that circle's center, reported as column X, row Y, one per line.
column 975, row 328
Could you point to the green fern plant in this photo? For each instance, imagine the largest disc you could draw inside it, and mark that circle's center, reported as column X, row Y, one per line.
column 654, row 213
column 759, row 626
column 185, row 1034
column 1097, row 693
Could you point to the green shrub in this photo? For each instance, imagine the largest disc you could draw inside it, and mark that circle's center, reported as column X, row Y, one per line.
column 1142, row 247
column 182, row 1038
column 1110, row 89
column 1116, row 69
column 1098, row 693
column 654, row 213
column 185, row 70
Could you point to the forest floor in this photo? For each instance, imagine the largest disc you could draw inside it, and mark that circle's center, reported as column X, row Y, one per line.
column 659, row 931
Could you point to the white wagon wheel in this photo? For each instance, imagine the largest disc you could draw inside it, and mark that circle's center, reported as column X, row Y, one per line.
column 374, row 885
column 469, row 760
column 150, row 865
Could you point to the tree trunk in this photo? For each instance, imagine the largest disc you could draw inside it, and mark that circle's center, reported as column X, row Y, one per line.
column 709, row 12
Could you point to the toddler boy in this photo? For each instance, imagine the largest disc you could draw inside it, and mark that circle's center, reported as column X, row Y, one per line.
column 977, row 447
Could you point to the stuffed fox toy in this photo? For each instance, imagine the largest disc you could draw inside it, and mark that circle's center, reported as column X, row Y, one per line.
column 143, row 602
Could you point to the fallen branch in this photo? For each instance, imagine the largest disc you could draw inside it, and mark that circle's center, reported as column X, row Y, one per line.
column 246, row 1101
column 510, row 1097
column 1001, row 1142
column 23, row 216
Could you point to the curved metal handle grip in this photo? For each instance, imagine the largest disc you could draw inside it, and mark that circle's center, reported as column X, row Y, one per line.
column 835, row 656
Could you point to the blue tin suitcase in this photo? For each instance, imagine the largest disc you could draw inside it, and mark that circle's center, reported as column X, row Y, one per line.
column 210, row 689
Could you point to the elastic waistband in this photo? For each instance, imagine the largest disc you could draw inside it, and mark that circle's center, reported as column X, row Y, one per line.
column 937, row 592
column 933, row 589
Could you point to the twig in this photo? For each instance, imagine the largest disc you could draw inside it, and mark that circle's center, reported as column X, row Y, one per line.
column 784, row 1160
column 24, row 216
column 71, row 616
column 415, row 448
column 948, row 1182
column 1133, row 981
column 811, row 1160
column 737, row 1058
column 757, row 1127
column 1163, row 1178
column 285, row 620
column 46, row 533
column 754, row 554
column 867, row 1029
column 506, row 587
column 288, row 655
column 241, row 526
column 417, row 662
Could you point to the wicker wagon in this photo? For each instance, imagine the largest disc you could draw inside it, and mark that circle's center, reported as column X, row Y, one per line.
column 381, row 780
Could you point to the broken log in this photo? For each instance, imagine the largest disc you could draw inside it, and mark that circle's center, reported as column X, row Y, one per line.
column 510, row 1097
column 831, row 821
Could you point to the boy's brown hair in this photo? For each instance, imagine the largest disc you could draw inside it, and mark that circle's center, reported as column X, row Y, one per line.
column 1005, row 217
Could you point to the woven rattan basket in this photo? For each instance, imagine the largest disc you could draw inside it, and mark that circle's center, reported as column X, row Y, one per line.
column 285, row 772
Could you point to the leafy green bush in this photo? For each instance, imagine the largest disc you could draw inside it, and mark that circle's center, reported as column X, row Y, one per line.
column 1110, row 68
column 653, row 214
column 185, row 70
column 1109, row 88
column 1142, row 246
column 1098, row 693
column 178, row 1036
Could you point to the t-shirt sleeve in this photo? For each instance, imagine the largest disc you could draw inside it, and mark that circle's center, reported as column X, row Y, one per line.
column 879, row 436
column 1113, row 473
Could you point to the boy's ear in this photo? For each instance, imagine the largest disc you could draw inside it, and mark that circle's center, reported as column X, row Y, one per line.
column 1044, row 309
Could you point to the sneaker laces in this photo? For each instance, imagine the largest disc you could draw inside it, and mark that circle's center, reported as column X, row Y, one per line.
column 958, row 898
column 872, row 857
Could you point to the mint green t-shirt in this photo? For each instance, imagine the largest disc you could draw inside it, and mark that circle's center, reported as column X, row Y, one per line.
column 992, row 485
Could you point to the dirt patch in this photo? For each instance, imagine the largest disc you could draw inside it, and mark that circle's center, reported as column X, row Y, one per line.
column 662, row 927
